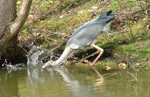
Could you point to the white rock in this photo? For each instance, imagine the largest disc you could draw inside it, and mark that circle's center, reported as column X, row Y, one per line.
column 94, row 7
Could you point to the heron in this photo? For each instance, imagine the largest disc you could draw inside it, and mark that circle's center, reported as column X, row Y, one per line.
column 85, row 36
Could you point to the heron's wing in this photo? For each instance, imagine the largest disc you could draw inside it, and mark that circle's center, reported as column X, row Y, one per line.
column 87, row 25
column 97, row 21
column 84, row 36
column 87, row 33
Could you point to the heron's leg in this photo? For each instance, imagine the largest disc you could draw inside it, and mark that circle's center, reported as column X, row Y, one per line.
column 100, row 50
column 100, row 80
column 89, row 56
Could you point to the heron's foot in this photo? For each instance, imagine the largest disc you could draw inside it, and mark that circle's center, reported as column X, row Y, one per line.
column 84, row 59
column 50, row 64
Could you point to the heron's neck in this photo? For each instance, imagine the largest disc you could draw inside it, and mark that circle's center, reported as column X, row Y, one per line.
column 106, row 27
column 65, row 55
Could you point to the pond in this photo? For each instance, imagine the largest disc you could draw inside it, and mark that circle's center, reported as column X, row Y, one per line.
column 74, row 81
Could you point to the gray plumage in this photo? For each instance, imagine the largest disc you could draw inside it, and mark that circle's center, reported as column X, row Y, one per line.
column 85, row 36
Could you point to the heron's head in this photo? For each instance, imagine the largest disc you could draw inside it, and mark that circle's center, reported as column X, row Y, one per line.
column 49, row 64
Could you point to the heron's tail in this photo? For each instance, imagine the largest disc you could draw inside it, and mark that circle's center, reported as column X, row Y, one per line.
column 65, row 55
column 106, row 16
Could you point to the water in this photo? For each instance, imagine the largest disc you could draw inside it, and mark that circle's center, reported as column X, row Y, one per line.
column 74, row 81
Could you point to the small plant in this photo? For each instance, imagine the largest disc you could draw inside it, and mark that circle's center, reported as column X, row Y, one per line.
column 115, row 6
column 25, row 31
column 19, row 2
column 51, row 2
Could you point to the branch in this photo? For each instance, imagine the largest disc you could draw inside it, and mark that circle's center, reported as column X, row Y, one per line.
column 20, row 20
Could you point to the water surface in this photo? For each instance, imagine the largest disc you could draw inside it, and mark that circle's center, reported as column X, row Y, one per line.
column 74, row 81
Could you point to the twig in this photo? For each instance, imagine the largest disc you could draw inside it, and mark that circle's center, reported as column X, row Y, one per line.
column 47, row 40
column 58, row 45
column 25, row 51
column 51, row 11
column 133, row 75
column 110, row 74
column 81, row 20
column 71, row 28
column 48, row 32
column 67, row 26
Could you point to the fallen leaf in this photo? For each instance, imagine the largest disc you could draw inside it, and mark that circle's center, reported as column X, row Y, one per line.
column 61, row 16
column 137, row 64
column 122, row 65
column 108, row 67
